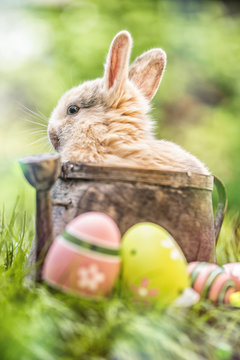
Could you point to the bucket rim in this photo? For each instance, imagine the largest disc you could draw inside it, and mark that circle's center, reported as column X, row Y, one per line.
column 102, row 172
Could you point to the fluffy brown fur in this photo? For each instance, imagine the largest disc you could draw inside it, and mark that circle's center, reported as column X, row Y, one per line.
column 112, row 125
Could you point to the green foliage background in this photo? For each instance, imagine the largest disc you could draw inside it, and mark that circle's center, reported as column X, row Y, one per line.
column 197, row 105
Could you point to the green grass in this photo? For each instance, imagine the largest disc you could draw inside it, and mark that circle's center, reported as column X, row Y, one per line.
column 37, row 322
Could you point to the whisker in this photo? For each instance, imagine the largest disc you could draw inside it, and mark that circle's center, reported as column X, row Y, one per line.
column 44, row 138
column 35, row 122
column 29, row 110
column 32, row 132
column 43, row 116
column 50, row 147
column 32, row 113
column 45, row 147
column 34, row 116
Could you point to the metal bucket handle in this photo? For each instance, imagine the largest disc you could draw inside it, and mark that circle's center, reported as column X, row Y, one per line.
column 221, row 207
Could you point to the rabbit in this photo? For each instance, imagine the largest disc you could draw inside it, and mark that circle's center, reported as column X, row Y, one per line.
column 106, row 121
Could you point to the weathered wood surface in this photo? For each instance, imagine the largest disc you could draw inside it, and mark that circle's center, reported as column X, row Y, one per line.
column 180, row 202
column 168, row 178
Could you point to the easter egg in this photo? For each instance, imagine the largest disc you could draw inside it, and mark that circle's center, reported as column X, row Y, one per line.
column 211, row 281
column 154, row 267
column 234, row 270
column 85, row 258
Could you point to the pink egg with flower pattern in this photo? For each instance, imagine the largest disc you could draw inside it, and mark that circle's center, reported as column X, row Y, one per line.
column 85, row 258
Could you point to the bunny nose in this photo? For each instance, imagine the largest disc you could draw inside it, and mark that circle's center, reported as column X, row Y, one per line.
column 54, row 139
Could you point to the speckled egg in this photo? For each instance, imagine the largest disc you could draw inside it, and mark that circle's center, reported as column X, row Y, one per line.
column 154, row 267
column 85, row 258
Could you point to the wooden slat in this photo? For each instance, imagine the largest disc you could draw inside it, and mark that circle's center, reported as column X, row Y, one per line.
column 75, row 170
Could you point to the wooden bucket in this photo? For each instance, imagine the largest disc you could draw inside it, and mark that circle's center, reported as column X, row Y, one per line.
column 180, row 202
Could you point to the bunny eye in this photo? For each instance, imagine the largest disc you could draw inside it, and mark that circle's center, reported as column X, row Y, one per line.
column 73, row 109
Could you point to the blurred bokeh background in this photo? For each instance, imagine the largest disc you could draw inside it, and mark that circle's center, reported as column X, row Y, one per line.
column 48, row 46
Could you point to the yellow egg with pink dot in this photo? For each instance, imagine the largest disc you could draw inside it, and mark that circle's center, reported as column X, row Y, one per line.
column 154, row 268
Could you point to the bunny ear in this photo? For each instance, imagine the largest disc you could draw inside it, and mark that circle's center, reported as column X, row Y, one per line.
column 147, row 70
column 116, row 68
